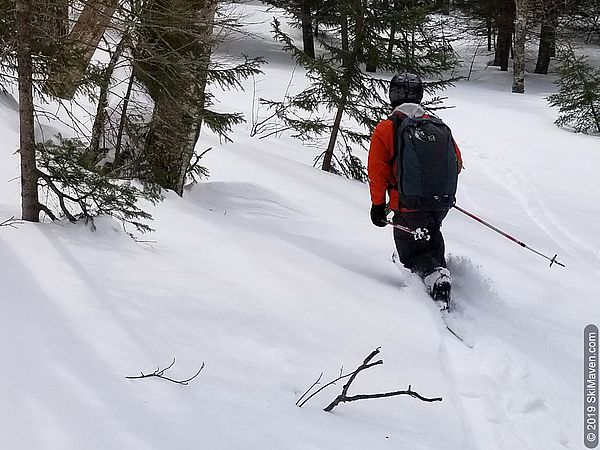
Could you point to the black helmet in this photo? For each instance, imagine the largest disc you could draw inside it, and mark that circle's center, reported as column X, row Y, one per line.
column 405, row 88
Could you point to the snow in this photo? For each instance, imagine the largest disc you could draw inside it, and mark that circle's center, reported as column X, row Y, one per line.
column 272, row 273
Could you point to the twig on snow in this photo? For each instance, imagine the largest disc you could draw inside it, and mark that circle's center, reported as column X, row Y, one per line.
column 12, row 222
column 159, row 373
column 409, row 391
column 341, row 377
column 344, row 397
column 308, row 390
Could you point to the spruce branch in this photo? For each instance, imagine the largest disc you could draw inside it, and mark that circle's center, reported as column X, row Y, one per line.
column 69, row 171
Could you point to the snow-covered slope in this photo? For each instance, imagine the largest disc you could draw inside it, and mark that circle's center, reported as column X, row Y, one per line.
column 271, row 273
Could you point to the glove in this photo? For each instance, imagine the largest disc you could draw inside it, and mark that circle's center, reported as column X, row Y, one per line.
column 378, row 215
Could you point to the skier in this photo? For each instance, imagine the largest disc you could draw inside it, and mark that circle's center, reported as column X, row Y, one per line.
column 404, row 143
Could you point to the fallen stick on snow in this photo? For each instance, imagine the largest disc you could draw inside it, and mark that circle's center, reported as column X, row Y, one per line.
column 159, row 373
column 345, row 398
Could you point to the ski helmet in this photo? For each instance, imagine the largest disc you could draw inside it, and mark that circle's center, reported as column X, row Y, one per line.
column 405, row 88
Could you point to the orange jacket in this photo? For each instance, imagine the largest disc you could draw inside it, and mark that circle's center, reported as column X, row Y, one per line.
column 383, row 173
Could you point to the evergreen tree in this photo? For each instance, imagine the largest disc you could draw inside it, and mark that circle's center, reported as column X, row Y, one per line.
column 578, row 98
column 166, row 45
column 339, row 87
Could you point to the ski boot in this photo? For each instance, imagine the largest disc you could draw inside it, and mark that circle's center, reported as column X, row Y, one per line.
column 438, row 285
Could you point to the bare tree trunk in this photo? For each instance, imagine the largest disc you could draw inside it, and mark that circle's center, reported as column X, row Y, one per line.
column 327, row 166
column 100, row 119
column 518, row 86
column 547, row 45
column 488, row 23
column 503, row 47
column 371, row 61
column 172, row 137
column 81, row 44
column 307, row 29
column 30, row 206
column 345, row 38
column 118, row 144
column 504, row 23
column 545, row 49
column 392, row 43
column 553, row 43
column 179, row 95
column 345, row 85
column 554, row 29
column 443, row 6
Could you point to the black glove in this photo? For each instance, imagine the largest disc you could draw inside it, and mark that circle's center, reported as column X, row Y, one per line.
column 378, row 215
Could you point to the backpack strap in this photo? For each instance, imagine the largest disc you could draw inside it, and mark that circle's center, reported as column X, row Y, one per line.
column 397, row 120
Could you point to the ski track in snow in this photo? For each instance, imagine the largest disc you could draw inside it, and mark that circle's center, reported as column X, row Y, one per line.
column 498, row 393
column 516, row 183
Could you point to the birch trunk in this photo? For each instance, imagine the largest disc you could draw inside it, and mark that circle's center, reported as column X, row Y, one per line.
column 81, row 43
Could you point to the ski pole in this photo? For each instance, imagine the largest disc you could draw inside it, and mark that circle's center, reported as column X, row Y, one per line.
column 508, row 236
column 419, row 234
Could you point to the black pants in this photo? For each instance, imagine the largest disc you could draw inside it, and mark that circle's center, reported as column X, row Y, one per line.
column 420, row 256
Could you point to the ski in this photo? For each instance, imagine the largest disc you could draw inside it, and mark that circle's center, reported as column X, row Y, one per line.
column 445, row 306
column 444, row 314
column 457, row 336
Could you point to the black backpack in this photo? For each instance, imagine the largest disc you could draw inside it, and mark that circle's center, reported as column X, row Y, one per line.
column 427, row 163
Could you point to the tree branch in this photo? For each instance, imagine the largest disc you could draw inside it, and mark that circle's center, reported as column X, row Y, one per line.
column 344, row 397
column 159, row 373
column 12, row 222
column 308, row 390
column 341, row 377
column 353, row 398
